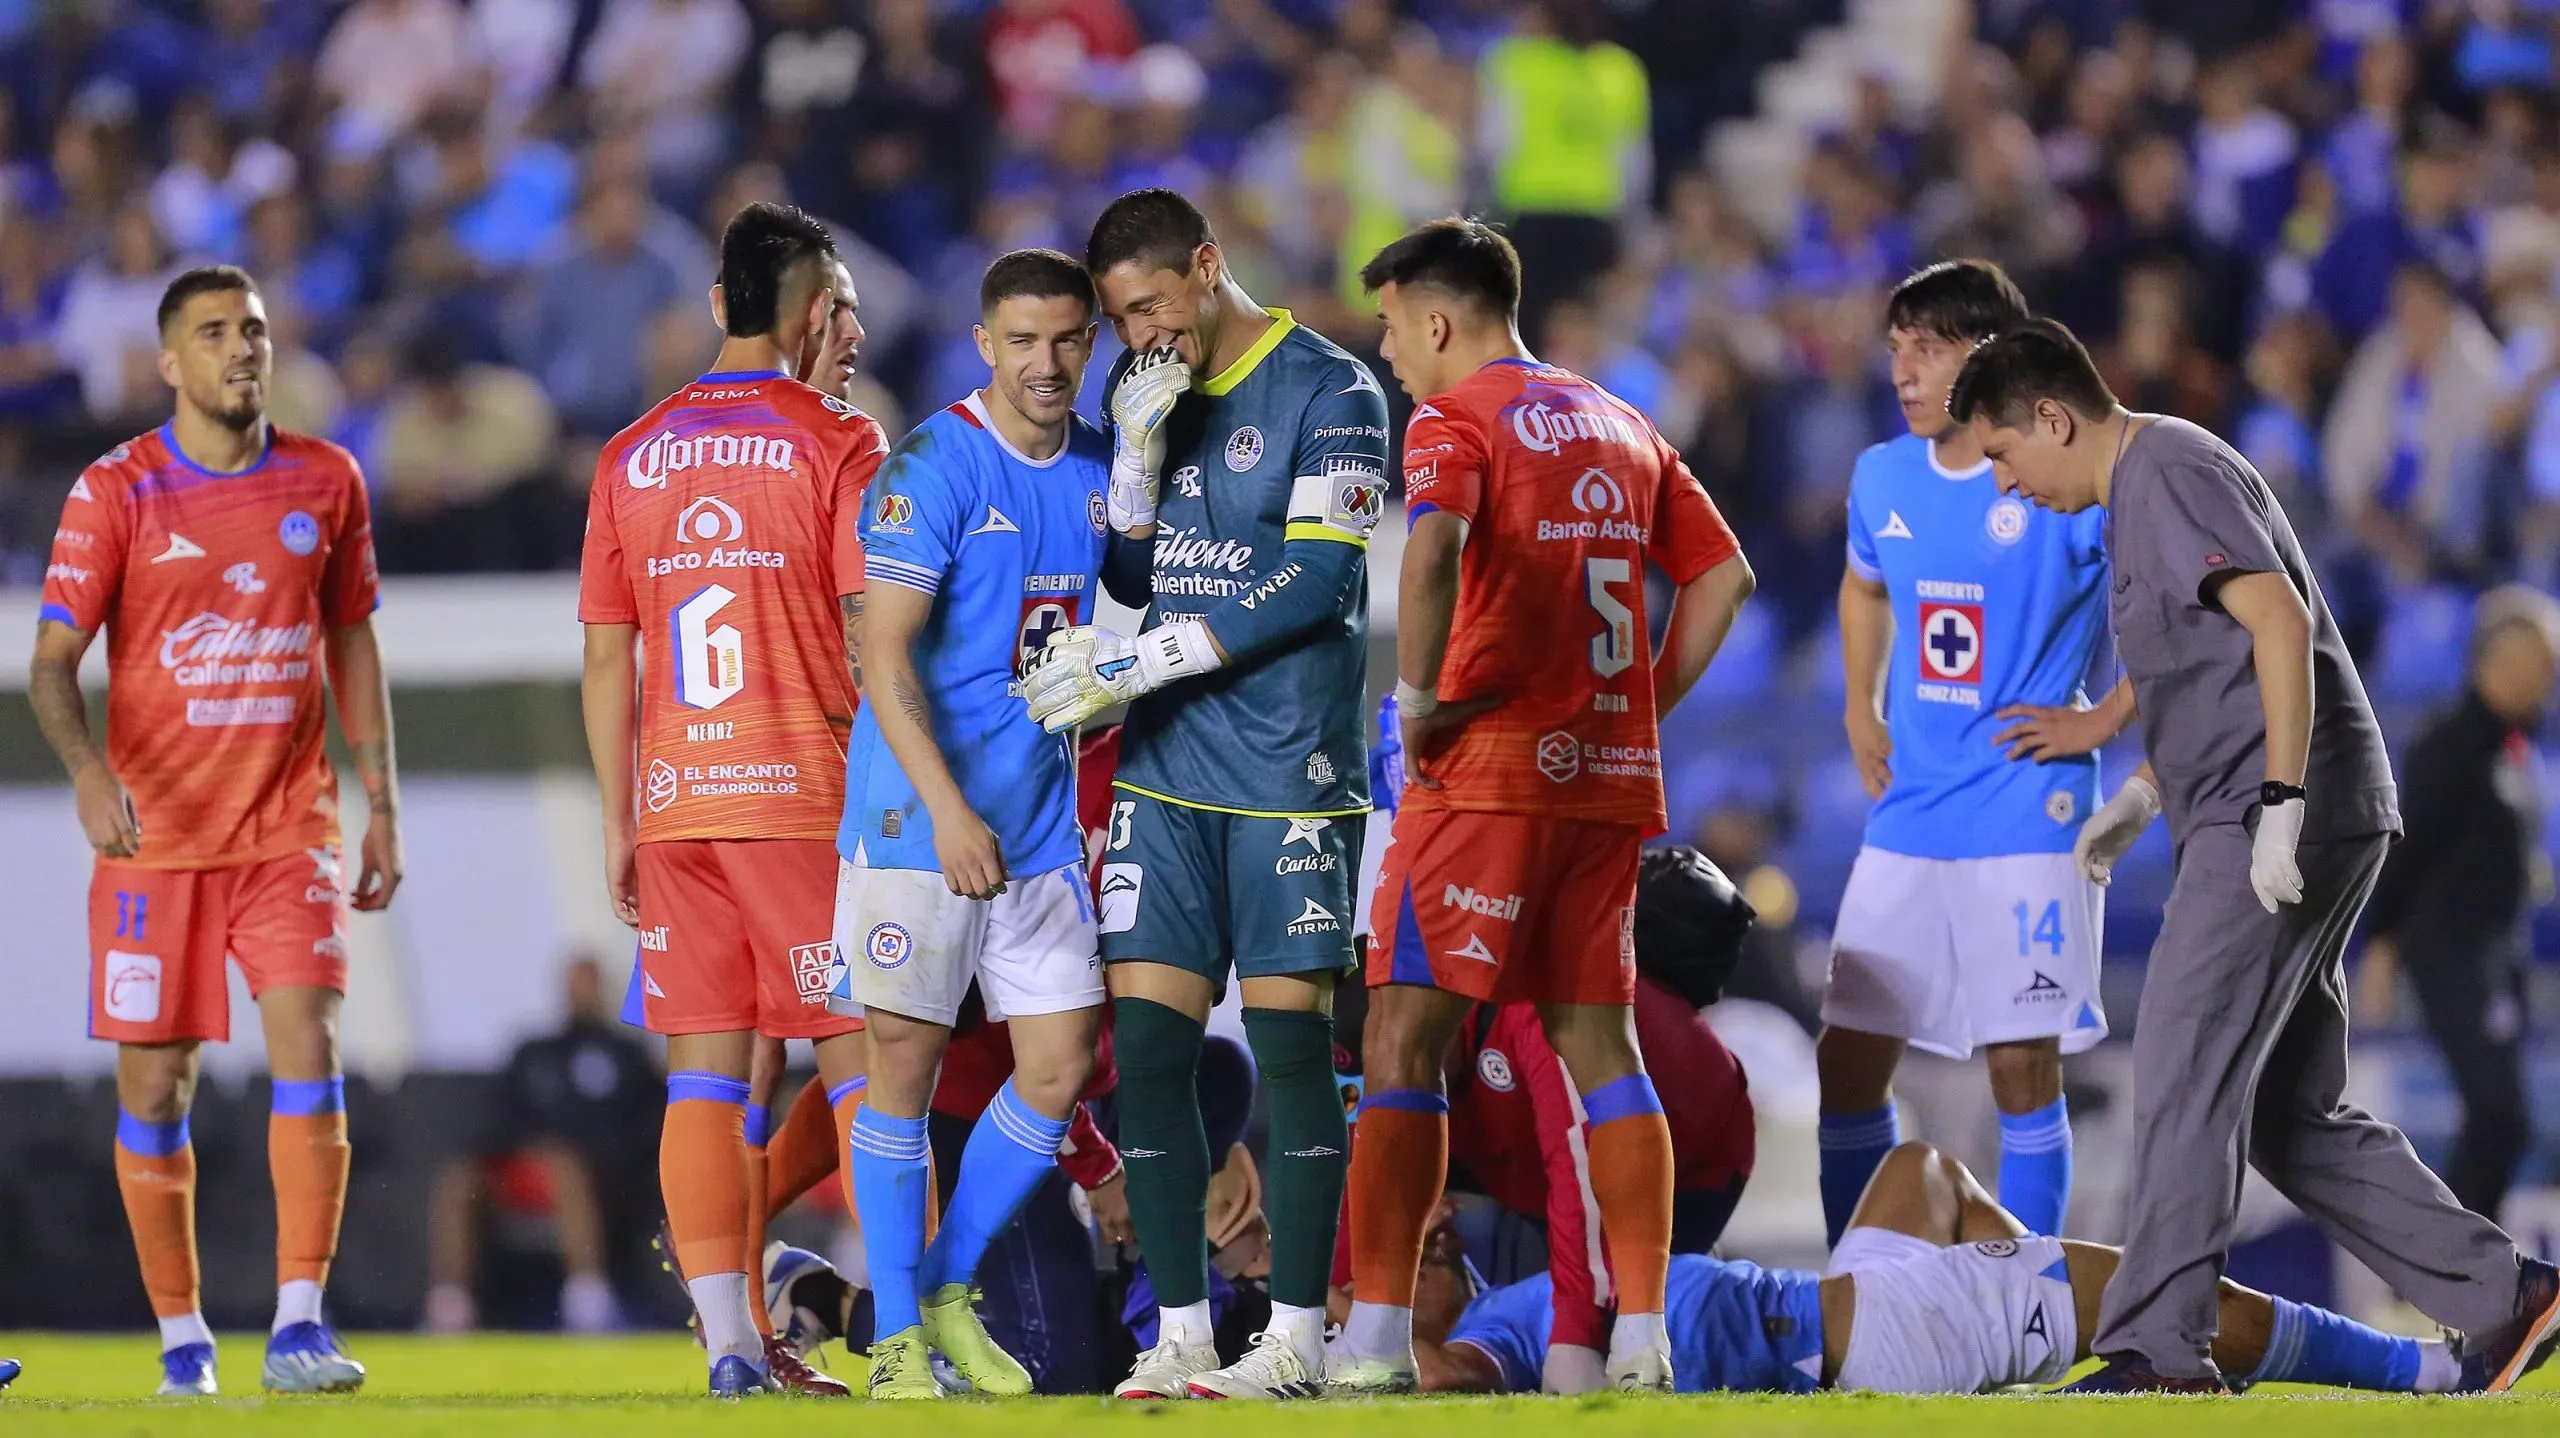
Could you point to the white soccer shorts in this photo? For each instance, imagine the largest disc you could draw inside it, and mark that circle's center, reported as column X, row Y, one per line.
column 909, row 945
column 1951, row 954
column 1966, row 1319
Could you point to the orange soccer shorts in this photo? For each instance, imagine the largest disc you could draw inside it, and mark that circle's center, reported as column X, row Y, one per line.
column 1508, row 908
column 158, row 939
column 739, row 934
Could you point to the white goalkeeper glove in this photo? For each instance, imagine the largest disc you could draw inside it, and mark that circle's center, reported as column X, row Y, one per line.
column 1571, row 1368
column 2112, row 830
column 1140, row 404
column 1088, row 669
column 2273, row 870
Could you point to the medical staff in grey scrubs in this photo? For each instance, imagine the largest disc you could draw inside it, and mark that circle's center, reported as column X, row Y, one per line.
column 2264, row 754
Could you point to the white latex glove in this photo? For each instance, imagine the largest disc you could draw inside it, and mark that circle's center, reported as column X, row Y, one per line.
column 2273, row 871
column 1088, row 669
column 1140, row 404
column 1572, row 1368
column 2112, row 830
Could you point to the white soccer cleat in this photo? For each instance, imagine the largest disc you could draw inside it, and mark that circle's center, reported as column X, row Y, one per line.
column 1644, row 1369
column 1166, row 1370
column 1362, row 1375
column 1271, row 1368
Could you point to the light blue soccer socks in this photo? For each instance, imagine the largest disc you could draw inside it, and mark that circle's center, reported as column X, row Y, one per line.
column 2313, row 1345
column 1011, row 1150
column 1853, row 1144
column 891, row 1180
column 2035, row 1166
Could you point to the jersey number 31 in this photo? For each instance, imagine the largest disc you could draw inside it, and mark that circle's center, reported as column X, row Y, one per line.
column 710, row 663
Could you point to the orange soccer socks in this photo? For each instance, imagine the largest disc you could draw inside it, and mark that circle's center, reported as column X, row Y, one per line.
column 807, row 1147
column 702, row 1171
column 1399, row 1163
column 1631, row 1179
column 307, row 1157
column 156, row 1171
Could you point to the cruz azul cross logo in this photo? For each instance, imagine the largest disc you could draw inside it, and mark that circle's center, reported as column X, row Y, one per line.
column 1951, row 642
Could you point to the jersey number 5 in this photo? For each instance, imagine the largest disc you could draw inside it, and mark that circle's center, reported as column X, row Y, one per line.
column 710, row 663
column 1614, row 647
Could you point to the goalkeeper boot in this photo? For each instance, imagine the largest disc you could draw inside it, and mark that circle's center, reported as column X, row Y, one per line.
column 186, row 1371
column 1271, row 1368
column 902, row 1367
column 1640, row 1368
column 1166, row 1370
column 952, row 1329
column 305, row 1358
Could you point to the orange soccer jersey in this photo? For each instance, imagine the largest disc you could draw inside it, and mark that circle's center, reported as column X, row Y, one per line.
column 1568, row 493
column 722, row 524
column 217, row 592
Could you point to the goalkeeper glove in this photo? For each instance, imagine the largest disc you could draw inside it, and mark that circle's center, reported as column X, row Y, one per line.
column 1140, row 404
column 1088, row 669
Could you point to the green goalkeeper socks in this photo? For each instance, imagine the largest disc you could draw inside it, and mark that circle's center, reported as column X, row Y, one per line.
column 1310, row 1143
column 1162, row 1144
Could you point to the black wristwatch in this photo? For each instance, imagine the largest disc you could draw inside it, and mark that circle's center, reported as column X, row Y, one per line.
column 2275, row 791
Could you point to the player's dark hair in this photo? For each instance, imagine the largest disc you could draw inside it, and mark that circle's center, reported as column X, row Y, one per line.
column 1038, row 274
column 1463, row 257
column 1156, row 227
column 1958, row 300
column 763, row 244
column 2032, row 360
column 202, row 280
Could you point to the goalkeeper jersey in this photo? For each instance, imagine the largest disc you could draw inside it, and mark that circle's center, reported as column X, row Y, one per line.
column 1270, row 467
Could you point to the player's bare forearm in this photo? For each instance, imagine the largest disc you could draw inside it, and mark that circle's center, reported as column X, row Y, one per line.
column 892, row 618
column 1427, row 597
column 608, row 696
column 53, row 691
column 1866, row 635
column 1454, row 1368
column 851, row 604
column 364, row 711
column 1701, row 616
column 2279, row 626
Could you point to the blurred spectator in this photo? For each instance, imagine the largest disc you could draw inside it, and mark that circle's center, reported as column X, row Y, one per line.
column 503, row 200
column 2351, row 282
column 2077, row 153
column 2505, row 42
column 1850, row 237
column 387, row 62
column 321, row 285
column 2245, row 153
column 668, row 65
column 586, row 330
column 1294, row 169
column 1714, row 279
column 2363, row 148
column 571, row 1135
column 1404, row 127
column 1042, row 52
column 2404, row 452
column 304, row 394
column 250, row 55
column 2278, row 429
column 35, row 384
column 1579, row 340
column 1566, row 130
column 1841, row 405
column 2001, row 209
column 202, row 199
column 2454, row 899
column 109, row 333
column 522, row 46
column 2154, row 363
column 464, row 456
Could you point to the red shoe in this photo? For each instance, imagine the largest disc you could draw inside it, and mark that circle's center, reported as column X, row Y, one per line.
column 796, row 1377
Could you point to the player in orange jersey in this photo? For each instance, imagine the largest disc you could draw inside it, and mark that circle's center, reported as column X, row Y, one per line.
column 718, row 698
column 231, row 564
column 1535, row 501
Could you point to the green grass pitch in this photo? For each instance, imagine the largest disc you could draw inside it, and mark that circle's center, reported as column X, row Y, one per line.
column 496, row 1386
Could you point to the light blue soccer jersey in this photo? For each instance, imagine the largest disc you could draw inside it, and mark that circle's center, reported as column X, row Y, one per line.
column 1995, row 602
column 1011, row 549
column 1734, row 1327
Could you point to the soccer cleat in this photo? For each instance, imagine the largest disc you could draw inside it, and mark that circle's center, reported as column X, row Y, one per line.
column 952, row 1329
column 1640, row 1370
column 1350, row 1375
column 1166, row 1370
column 803, row 1328
column 2132, row 1376
column 10, row 1368
column 735, row 1377
column 186, row 1371
column 1271, row 1368
column 306, row 1358
column 789, row 1374
column 902, row 1367
column 2497, row 1360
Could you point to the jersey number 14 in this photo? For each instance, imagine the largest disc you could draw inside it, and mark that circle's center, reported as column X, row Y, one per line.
column 710, row 664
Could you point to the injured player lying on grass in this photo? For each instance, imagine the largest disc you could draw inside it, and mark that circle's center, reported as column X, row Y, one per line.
column 1934, row 1289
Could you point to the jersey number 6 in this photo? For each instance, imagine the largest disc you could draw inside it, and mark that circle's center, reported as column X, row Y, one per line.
column 1613, row 648
column 710, row 663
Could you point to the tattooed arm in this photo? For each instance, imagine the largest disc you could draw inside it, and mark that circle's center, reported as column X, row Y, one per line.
column 852, row 605
column 364, row 718
column 972, row 861
column 53, row 689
